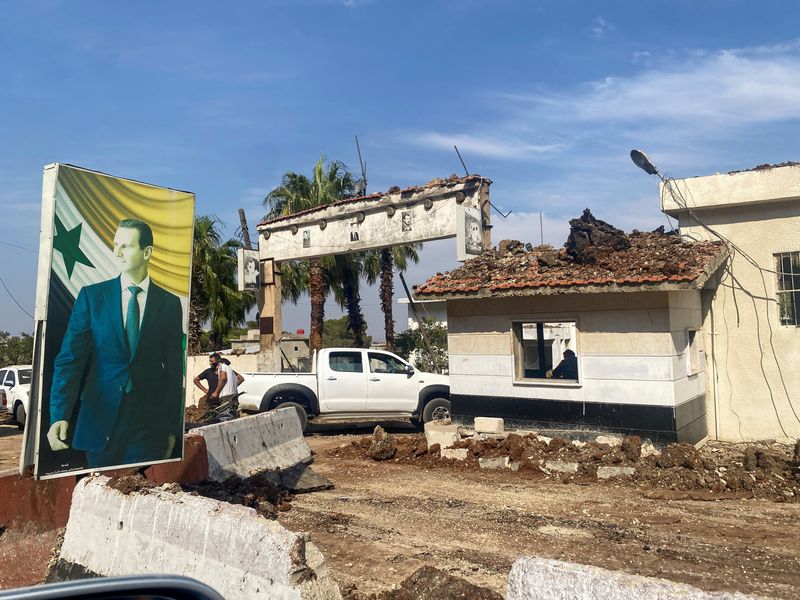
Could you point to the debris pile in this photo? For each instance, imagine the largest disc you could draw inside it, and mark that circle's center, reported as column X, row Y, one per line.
column 428, row 583
column 718, row 470
column 590, row 238
column 259, row 492
column 595, row 253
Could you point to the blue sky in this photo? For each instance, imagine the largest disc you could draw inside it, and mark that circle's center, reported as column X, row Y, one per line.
column 545, row 98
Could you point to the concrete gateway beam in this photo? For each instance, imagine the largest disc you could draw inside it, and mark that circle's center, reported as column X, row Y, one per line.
column 418, row 214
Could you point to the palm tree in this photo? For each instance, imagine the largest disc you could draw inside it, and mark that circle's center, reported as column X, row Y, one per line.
column 215, row 298
column 297, row 192
column 346, row 275
column 380, row 265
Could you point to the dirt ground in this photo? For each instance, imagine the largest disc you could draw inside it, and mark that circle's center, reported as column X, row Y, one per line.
column 384, row 520
column 10, row 446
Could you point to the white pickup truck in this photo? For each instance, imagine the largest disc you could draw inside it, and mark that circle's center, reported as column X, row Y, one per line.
column 15, row 390
column 351, row 383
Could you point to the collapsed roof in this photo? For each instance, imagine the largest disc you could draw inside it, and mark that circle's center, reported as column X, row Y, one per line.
column 597, row 257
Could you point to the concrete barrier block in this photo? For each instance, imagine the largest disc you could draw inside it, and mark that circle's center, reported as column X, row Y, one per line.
column 229, row 547
column 489, row 425
column 444, row 435
column 561, row 466
column 534, row 578
column 263, row 442
column 609, row 472
column 454, row 453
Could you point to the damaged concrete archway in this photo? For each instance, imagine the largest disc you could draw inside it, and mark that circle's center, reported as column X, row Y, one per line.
column 457, row 207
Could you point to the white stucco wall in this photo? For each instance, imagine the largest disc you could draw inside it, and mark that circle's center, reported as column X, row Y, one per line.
column 751, row 359
column 427, row 309
column 631, row 347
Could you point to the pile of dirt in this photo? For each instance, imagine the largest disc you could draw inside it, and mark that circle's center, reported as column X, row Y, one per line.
column 762, row 470
column 428, row 583
column 197, row 414
column 260, row 492
column 127, row 484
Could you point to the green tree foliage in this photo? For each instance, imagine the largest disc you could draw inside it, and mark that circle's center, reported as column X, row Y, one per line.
column 318, row 276
column 337, row 334
column 15, row 350
column 215, row 298
column 380, row 265
column 411, row 346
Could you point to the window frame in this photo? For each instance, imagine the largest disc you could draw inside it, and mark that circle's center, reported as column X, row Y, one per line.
column 358, row 353
column 389, row 356
column 793, row 292
column 517, row 356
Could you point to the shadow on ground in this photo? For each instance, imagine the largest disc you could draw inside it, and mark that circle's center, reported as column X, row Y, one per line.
column 360, row 428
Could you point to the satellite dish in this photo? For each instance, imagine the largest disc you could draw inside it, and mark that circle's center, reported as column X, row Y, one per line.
column 641, row 160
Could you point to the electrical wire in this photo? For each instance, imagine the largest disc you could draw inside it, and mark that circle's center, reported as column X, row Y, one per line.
column 671, row 187
column 14, row 299
column 19, row 247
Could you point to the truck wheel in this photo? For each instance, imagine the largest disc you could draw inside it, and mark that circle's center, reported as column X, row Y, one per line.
column 19, row 415
column 437, row 409
column 301, row 412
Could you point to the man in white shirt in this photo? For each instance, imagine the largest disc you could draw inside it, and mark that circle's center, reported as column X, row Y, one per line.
column 227, row 386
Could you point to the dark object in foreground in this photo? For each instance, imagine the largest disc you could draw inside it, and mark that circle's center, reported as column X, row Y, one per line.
column 166, row 587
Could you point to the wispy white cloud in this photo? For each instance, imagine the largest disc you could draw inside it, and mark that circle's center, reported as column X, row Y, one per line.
column 600, row 28
column 689, row 107
column 483, row 145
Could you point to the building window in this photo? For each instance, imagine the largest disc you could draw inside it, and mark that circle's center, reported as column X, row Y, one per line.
column 545, row 350
column 788, row 268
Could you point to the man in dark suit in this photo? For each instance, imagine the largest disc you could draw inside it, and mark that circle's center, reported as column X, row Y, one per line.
column 121, row 363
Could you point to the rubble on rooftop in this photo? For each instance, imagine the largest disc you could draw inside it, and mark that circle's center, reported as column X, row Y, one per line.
column 596, row 253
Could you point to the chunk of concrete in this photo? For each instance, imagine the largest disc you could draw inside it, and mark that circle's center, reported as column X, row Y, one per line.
column 610, row 472
column 648, row 449
column 229, row 547
column 264, row 442
column 535, row 578
column 494, row 462
column 561, row 466
column 300, row 479
column 611, row 440
column 443, row 434
column 489, row 425
column 454, row 453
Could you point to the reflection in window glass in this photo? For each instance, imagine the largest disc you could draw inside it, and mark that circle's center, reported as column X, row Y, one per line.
column 540, row 348
column 788, row 268
column 383, row 363
column 346, row 362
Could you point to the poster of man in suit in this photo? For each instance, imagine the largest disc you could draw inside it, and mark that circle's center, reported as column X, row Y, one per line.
column 111, row 332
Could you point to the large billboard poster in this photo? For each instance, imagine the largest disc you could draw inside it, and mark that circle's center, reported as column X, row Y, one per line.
column 112, row 312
